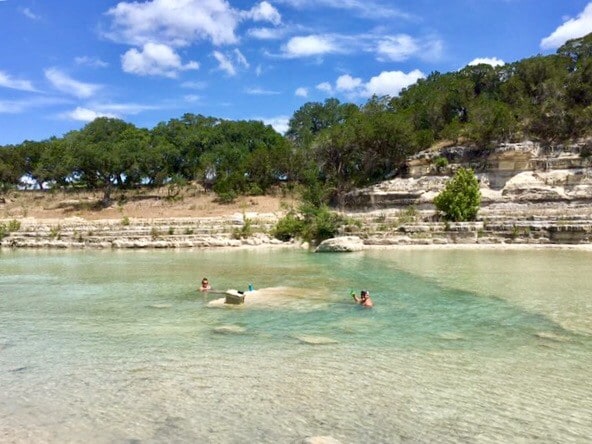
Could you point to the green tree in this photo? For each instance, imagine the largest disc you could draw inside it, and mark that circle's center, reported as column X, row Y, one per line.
column 314, row 117
column 460, row 199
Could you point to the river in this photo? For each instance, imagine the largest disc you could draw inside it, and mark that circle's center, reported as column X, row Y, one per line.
column 461, row 346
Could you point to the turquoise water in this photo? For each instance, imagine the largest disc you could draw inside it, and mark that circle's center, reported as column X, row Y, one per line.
column 462, row 346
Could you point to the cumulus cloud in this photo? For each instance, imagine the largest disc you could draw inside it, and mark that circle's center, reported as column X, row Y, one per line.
column 173, row 22
column 325, row 87
column 85, row 114
column 279, row 123
column 155, row 60
column 264, row 12
column 7, row 81
column 347, row 83
column 493, row 61
column 301, row 92
column 571, row 29
column 391, row 82
column 312, row 45
column 66, row 84
column 386, row 83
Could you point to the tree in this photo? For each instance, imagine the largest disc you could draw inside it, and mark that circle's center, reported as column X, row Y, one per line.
column 314, row 117
column 460, row 199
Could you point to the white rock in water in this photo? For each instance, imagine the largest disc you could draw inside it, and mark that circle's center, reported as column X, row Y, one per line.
column 230, row 329
column 341, row 244
column 316, row 340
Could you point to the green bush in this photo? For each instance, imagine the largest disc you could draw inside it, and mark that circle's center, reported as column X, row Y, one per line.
column 460, row 199
column 288, row 227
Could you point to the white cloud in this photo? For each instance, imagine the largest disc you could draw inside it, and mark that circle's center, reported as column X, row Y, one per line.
column 66, row 84
column 325, row 87
column 228, row 62
column 267, row 33
column 301, row 92
column 174, row 22
column 391, row 83
column 30, row 14
column 311, row 45
column 7, row 81
column 224, row 63
column 194, row 85
column 91, row 61
column 400, row 47
column 192, row 98
column 240, row 58
column 85, row 114
column 155, row 60
column 261, row 92
column 386, row 83
column 123, row 108
column 347, row 83
column 365, row 8
column 571, row 29
column 397, row 48
column 493, row 61
column 264, row 12
column 279, row 123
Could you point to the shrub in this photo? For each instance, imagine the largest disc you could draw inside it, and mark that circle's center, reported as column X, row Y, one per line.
column 460, row 199
column 288, row 227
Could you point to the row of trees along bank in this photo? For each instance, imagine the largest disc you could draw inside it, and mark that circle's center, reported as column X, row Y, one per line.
column 330, row 147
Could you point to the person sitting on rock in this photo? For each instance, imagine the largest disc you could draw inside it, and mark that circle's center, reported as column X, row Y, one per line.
column 364, row 299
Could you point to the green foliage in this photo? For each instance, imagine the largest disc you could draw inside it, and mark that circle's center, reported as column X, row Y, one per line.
column 55, row 232
column 440, row 162
column 288, row 227
column 226, row 197
column 3, row 231
column 460, row 199
column 245, row 231
column 14, row 225
column 125, row 221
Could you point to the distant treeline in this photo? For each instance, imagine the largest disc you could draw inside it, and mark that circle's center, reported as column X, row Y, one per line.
column 330, row 147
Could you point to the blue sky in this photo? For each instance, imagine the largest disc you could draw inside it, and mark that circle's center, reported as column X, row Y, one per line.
column 65, row 62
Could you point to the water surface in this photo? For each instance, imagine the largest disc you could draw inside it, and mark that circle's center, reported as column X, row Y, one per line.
column 462, row 346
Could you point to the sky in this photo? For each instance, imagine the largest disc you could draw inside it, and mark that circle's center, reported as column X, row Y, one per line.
column 64, row 63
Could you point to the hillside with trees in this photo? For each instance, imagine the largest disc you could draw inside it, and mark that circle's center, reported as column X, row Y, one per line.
column 330, row 147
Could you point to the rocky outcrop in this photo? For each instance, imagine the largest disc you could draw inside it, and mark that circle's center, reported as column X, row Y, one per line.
column 342, row 244
column 511, row 173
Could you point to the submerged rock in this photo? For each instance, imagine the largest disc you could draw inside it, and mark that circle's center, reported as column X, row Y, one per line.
column 315, row 340
column 229, row 330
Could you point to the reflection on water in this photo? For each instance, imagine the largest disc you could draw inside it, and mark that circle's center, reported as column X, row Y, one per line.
column 484, row 346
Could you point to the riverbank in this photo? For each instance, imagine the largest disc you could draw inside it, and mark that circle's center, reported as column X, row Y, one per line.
column 194, row 219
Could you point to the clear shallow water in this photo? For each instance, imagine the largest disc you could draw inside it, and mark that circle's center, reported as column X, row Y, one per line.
column 462, row 346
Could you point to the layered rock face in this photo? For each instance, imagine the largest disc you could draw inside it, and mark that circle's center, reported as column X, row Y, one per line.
column 530, row 194
column 523, row 173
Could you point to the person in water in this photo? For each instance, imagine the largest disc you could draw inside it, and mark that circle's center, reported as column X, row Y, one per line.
column 364, row 299
column 205, row 285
